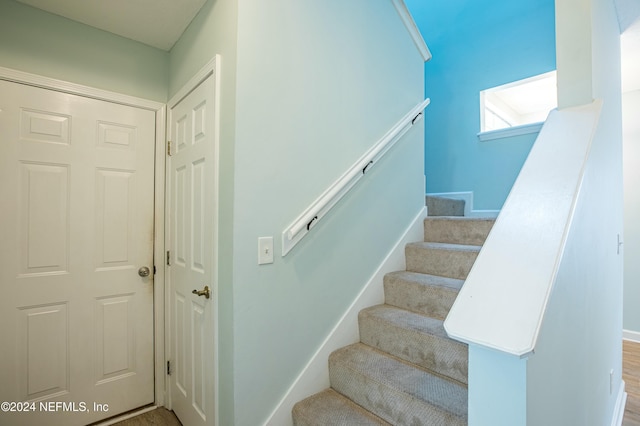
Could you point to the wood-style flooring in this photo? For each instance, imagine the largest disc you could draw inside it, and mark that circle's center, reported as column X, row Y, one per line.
column 631, row 377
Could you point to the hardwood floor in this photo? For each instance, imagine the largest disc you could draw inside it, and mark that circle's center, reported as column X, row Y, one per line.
column 631, row 377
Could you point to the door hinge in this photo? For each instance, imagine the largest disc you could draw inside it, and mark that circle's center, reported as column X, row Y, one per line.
column 168, row 258
column 169, row 148
column 168, row 368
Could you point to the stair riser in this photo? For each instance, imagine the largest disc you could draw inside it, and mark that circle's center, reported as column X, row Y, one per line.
column 439, row 206
column 386, row 402
column 431, row 301
column 471, row 232
column 438, row 354
column 444, row 263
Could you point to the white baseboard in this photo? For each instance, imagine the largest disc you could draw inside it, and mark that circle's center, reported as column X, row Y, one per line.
column 621, row 402
column 469, row 211
column 315, row 376
column 632, row 336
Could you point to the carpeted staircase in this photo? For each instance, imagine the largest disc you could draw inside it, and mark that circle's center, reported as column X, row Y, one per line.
column 405, row 370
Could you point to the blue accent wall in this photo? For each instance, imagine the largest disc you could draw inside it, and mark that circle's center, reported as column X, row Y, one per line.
column 478, row 44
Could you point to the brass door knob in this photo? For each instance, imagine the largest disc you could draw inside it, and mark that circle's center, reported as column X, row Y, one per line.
column 204, row 292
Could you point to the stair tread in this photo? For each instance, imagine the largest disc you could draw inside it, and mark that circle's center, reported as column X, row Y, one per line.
column 429, row 389
column 329, row 408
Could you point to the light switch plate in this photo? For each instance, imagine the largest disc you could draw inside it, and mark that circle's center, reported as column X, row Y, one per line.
column 265, row 250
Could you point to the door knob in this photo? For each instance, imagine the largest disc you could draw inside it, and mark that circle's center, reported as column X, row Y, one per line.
column 205, row 292
column 144, row 271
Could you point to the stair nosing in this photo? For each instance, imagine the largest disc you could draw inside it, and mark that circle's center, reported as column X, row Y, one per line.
column 445, row 246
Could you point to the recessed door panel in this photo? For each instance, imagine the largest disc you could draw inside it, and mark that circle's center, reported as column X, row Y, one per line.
column 114, row 217
column 115, row 338
column 181, row 128
column 46, row 127
column 116, row 136
column 198, row 235
column 180, row 346
column 44, row 215
column 44, row 351
column 200, row 122
column 180, row 198
column 198, row 359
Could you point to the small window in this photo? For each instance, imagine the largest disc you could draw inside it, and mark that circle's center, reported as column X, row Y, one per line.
column 519, row 103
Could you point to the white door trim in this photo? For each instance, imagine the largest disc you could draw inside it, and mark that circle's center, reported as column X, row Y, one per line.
column 210, row 68
column 15, row 76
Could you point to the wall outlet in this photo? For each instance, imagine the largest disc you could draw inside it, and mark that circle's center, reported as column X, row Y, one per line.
column 265, row 250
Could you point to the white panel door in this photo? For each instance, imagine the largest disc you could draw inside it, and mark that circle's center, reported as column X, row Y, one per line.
column 76, row 319
column 191, row 213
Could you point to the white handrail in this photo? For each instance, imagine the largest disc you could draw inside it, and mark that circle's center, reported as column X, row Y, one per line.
column 303, row 224
column 504, row 298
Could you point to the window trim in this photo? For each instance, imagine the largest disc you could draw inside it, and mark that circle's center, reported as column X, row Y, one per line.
column 524, row 129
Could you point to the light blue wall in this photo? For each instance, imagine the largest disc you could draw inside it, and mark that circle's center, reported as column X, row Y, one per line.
column 318, row 84
column 497, row 388
column 631, row 248
column 45, row 44
column 478, row 44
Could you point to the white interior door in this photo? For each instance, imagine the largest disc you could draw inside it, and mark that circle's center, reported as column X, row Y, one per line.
column 76, row 318
column 191, row 214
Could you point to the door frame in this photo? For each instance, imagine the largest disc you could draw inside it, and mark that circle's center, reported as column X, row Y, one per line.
column 11, row 75
column 210, row 69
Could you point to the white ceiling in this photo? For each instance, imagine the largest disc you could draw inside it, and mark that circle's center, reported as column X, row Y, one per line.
column 158, row 23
